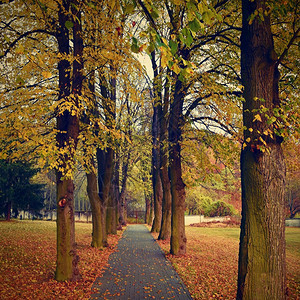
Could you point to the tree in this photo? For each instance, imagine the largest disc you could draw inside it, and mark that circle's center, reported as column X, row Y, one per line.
column 34, row 30
column 156, row 176
column 17, row 191
column 70, row 89
column 163, row 108
column 186, row 38
column 262, row 270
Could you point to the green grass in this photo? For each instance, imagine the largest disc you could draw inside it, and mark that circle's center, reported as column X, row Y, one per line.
column 227, row 232
column 292, row 235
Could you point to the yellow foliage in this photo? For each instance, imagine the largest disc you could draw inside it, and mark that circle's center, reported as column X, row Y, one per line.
column 46, row 74
column 257, row 118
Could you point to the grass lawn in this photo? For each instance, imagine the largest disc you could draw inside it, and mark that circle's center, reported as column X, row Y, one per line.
column 210, row 267
column 27, row 261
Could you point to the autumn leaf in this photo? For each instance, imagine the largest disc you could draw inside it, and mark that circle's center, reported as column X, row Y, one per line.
column 46, row 74
column 28, row 255
column 257, row 118
column 209, row 269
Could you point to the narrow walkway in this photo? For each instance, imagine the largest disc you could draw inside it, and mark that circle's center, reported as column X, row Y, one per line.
column 139, row 270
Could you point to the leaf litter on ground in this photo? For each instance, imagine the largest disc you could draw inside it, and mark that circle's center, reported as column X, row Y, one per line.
column 210, row 267
column 28, row 256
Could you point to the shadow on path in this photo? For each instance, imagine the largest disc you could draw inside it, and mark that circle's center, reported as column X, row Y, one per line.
column 139, row 270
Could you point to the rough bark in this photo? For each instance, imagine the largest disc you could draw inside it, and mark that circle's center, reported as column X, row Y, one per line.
column 67, row 137
column 105, row 157
column 110, row 114
column 122, row 210
column 151, row 216
column 157, row 210
column 156, row 180
column 178, row 238
column 97, row 222
column 165, row 230
column 148, row 208
column 111, row 213
column 262, row 270
column 105, row 173
column 117, row 192
column 98, row 240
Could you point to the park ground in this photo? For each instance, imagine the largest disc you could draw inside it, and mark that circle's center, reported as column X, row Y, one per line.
column 210, row 267
column 28, row 253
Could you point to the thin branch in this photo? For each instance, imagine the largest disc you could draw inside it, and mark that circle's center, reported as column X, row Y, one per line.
column 148, row 15
column 221, row 125
column 198, row 101
column 218, row 4
column 284, row 53
column 25, row 34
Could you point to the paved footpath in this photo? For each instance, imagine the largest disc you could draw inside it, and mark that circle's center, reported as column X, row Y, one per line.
column 139, row 270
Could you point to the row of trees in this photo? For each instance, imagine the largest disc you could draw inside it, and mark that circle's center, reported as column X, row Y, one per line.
column 72, row 115
column 74, row 92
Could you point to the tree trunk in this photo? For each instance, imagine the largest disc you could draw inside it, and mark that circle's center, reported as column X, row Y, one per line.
column 117, row 192
column 110, row 114
column 97, row 222
column 156, row 180
column 148, row 209
column 165, row 230
column 262, row 270
column 111, row 213
column 67, row 137
column 105, row 172
column 8, row 211
column 122, row 210
column 151, row 216
column 157, row 186
column 122, row 215
column 67, row 258
column 178, row 238
column 105, row 157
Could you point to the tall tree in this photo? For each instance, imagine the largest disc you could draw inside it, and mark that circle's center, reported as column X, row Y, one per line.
column 156, row 178
column 178, row 238
column 187, row 36
column 262, row 268
column 67, row 137
column 163, row 109
column 109, row 105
